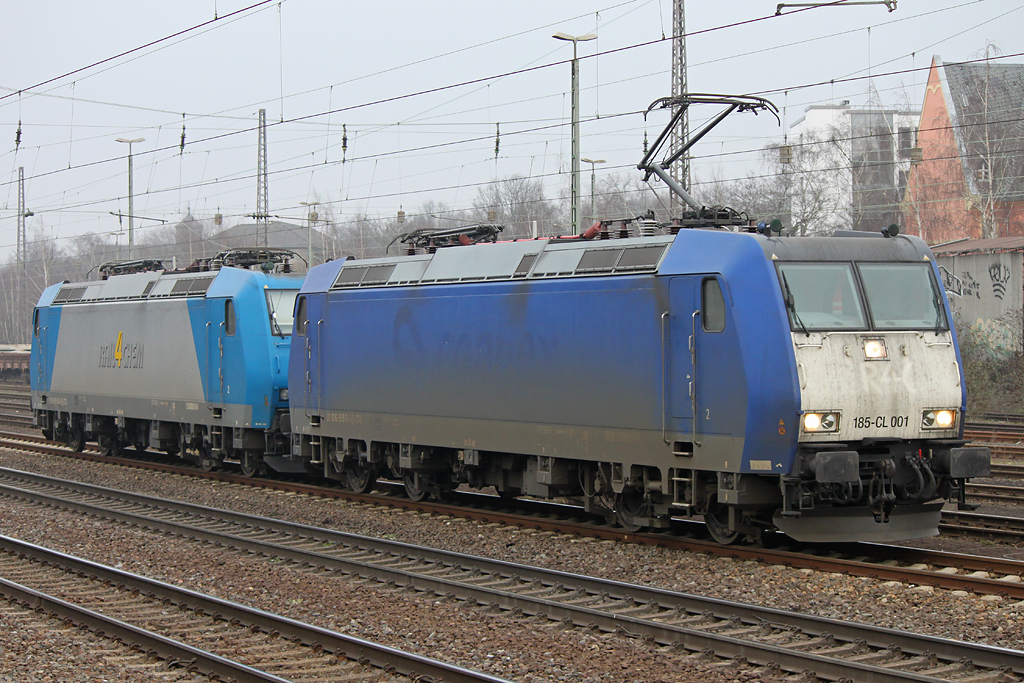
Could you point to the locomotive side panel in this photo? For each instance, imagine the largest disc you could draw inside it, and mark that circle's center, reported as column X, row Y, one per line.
column 564, row 367
column 114, row 358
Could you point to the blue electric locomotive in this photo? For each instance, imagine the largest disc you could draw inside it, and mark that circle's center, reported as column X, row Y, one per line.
column 192, row 362
column 808, row 384
column 812, row 385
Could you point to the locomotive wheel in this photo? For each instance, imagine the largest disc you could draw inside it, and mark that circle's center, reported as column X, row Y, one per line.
column 629, row 507
column 76, row 438
column 252, row 464
column 361, row 478
column 415, row 487
column 109, row 445
column 717, row 520
column 207, row 462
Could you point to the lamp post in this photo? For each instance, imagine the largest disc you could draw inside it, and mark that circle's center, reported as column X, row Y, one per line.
column 311, row 218
column 131, row 200
column 574, row 191
column 593, row 194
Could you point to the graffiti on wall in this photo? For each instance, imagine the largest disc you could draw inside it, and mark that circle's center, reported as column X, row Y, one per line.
column 1000, row 275
column 991, row 295
column 971, row 286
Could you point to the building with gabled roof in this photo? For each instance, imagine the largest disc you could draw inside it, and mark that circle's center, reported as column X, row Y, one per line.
column 967, row 177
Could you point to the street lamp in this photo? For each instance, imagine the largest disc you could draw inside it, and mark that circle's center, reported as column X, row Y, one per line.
column 592, row 162
column 311, row 218
column 575, row 184
column 131, row 207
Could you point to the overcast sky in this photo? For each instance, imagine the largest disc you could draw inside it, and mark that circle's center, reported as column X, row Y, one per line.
column 420, row 89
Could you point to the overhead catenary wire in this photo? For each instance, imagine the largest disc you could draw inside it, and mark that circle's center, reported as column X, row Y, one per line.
column 470, row 140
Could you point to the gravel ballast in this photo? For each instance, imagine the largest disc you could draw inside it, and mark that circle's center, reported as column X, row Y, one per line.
column 518, row 648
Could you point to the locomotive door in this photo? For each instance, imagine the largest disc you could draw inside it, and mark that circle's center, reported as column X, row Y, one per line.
column 39, row 332
column 698, row 384
column 682, row 313
column 310, row 316
column 220, row 331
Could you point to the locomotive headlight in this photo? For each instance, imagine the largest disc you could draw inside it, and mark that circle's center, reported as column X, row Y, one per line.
column 283, row 394
column 874, row 349
column 938, row 419
column 821, row 422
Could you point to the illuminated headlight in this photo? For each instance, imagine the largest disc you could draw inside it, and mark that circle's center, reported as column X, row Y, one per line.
column 283, row 394
column 821, row 422
column 938, row 419
column 874, row 349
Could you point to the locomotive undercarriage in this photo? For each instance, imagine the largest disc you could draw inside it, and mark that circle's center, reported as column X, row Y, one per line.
column 209, row 446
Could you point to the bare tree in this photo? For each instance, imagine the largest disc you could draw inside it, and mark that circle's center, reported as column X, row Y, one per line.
column 517, row 202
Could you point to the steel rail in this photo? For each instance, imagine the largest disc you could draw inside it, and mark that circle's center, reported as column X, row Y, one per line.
column 1006, row 494
column 380, row 656
column 168, row 649
column 558, row 518
column 678, row 606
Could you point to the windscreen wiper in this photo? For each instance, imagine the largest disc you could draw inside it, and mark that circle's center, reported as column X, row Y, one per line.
column 939, row 308
column 791, row 303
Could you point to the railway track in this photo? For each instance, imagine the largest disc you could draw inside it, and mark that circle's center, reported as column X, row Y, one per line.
column 686, row 535
column 946, row 570
column 954, row 571
column 207, row 634
column 791, row 642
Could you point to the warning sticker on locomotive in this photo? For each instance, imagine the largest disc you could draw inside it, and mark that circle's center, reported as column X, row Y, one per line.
column 881, row 422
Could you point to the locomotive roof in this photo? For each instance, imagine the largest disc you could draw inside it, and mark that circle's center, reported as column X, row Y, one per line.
column 520, row 260
column 554, row 258
column 870, row 247
column 149, row 285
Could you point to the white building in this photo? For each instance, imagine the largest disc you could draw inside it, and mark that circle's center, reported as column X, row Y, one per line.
column 849, row 166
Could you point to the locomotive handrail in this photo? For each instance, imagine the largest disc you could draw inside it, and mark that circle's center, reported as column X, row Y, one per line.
column 693, row 382
column 665, row 377
column 320, row 366
column 220, row 363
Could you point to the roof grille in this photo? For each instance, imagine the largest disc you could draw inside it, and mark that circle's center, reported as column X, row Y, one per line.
column 350, row 276
column 378, row 275
column 641, row 258
column 68, row 294
column 599, row 260
column 523, row 269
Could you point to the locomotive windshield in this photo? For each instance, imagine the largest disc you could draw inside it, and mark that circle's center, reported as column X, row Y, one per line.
column 280, row 304
column 827, row 296
column 821, row 296
column 902, row 296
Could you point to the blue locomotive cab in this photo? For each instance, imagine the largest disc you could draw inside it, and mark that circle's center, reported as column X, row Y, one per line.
column 882, row 395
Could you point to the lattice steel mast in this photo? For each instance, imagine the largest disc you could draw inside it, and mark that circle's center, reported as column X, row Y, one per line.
column 681, row 132
column 262, row 214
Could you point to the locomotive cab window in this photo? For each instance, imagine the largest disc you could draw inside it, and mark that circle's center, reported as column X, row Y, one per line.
column 280, row 306
column 821, row 296
column 301, row 319
column 903, row 296
column 229, row 317
column 35, row 322
column 712, row 306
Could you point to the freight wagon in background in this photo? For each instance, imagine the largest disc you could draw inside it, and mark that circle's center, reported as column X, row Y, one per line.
column 985, row 281
column 14, row 361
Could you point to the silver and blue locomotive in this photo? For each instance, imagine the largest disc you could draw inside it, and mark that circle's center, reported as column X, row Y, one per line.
column 193, row 362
